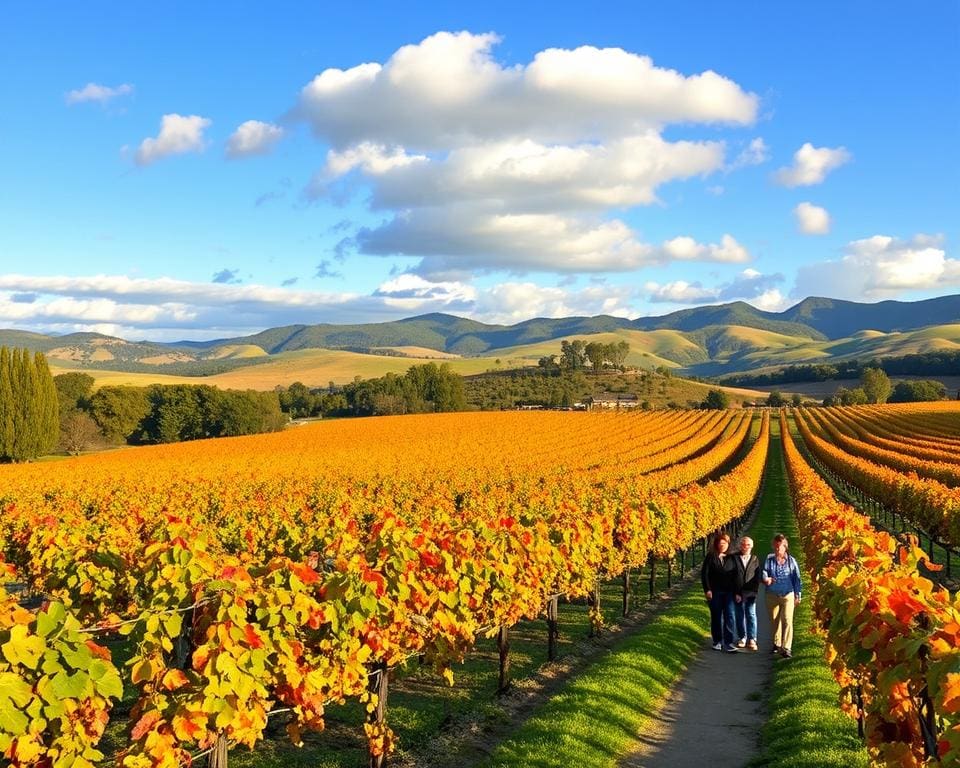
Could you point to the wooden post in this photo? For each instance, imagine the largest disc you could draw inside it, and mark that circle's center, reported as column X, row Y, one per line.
column 669, row 572
column 503, row 646
column 595, row 630
column 626, row 591
column 218, row 757
column 552, row 629
column 653, row 575
column 378, row 684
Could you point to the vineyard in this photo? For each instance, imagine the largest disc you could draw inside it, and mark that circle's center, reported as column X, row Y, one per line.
column 221, row 585
column 291, row 571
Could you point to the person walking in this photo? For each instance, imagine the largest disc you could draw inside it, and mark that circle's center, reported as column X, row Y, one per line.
column 781, row 575
column 718, row 577
column 747, row 586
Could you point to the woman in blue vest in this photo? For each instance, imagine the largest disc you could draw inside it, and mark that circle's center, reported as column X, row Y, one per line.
column 781, row 575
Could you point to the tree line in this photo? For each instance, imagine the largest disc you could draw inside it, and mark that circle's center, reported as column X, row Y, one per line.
column 427, row 388
column 940, row 363
column 158, row 413
column 29, row 414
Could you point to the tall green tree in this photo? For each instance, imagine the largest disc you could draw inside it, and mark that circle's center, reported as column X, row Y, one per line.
column 29, row 413
column 48, row 406
column 876, row 385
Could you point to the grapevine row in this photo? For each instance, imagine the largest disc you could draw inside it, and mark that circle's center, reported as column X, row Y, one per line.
column 893, row 638
column 248, row 594
column 829, row 423
column 929, row 504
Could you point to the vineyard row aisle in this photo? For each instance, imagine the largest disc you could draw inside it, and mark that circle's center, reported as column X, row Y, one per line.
column 715, row 715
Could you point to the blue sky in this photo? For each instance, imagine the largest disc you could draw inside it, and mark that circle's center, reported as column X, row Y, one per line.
column 200, row 170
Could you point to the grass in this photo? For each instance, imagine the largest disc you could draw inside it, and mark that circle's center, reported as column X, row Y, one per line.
column 805, row 727
column 596, row 719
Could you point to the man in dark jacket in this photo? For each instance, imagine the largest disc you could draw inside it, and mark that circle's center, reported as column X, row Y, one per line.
column 747, row 585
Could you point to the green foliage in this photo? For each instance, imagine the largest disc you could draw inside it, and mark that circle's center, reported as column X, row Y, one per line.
column 844, row 396
column 876, row 385
column 716, row 399
column 29, row 410
column 918, row 391
column 73, row 391
column 775, row 400
column 186, row 412
column 425, row 388
column 118, row 411
column 170, row 414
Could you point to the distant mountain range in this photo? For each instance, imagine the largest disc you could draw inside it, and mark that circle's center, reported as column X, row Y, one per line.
column 709, row 340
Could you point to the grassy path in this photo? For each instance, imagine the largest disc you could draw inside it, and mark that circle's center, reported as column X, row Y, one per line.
column 805, row 726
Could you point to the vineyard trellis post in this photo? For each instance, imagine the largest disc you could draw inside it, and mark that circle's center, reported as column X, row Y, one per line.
column 379, row 686
column 218, row 756
column 626, row 590
column 503, row 647
column 653, row 575
column 552, row 628
column 669, row 572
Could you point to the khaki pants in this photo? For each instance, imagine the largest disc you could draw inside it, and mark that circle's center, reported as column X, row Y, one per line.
column 781, row 619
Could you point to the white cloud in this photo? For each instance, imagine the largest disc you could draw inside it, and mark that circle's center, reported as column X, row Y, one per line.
column 513, row 302
column 166, row 309
column 449, row 91
column 527, row 175
column 881, row 267
column 750, row 285
column 253, row 138
column 687, row 249
column 178, row 135
column 411, row 293
column 756, row 153
column 811, row 165
column 515, row 168
column 812, row 219
column 680, row 292
column 459, row 240
column 97, row 92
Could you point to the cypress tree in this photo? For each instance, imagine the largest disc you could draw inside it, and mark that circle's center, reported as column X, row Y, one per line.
column 6, row 404
column 20, row 447
column 49, row 405
column 29, row 414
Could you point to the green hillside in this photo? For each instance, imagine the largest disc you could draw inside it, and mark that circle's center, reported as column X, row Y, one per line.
column 703, row 341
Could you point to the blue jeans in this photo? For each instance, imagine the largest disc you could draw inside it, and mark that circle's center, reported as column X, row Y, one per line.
column 746, row 611
column 722, row 618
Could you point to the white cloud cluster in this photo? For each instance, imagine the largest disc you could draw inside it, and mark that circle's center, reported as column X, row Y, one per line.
column 166, row 309
column 178, row 135
column 812, row 219
column 515, row 168
column 811, row 165
column 448, row 91
column 881, row 267
column 456, row 242
column 750, row 285
column 253, row 138
column 99, row 93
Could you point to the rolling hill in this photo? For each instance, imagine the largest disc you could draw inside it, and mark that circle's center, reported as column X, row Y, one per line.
column 704, row 341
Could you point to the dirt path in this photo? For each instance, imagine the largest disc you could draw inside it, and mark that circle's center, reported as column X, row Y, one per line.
column 715, row 716
column 717, row 713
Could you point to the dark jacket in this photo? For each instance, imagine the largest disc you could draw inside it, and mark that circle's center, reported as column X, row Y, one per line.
column 748, row 576
column 716, row 576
